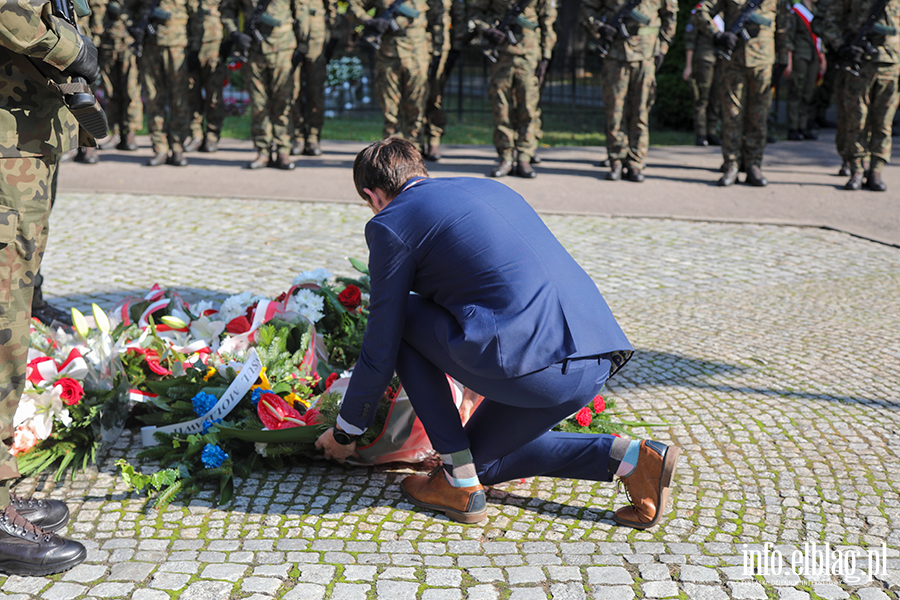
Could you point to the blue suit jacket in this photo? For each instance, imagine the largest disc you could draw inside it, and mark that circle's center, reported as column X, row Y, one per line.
column 476, row 248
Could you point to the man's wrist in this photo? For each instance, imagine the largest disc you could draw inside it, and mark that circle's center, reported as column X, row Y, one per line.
column 342, row 437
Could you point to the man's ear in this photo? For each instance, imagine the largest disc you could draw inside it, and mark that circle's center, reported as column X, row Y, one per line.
column 377, row 199
column 373, row 199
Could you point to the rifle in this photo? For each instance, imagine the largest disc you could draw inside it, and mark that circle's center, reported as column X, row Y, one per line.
column 862, row 37
column 373, row 40
column 77, row 95
column 513, row 17
column 251, row 28
column 139, row 32
column 618, row 22
column 739, row 27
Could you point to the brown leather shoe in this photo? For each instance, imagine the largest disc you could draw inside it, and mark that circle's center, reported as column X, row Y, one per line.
column 503, row 169
column 260, row 162
column 157, row 159
column 854, row 184
column 730, row 175
column 648, row 487
column 615, row 170
column 283, row 162
column 464, row 505
column 128, row 144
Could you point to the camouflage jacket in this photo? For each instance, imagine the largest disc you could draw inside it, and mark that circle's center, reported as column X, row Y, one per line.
column 798, row 39
column 696, row 38
column 538, row 42
column 316, row 17
column 647, row 39
column 416, row 34
column 767, row 29
column 280, row 36
column 33, row 119
column 212, row 21
column 183, row 28
column 845, row 18
column 115, row 27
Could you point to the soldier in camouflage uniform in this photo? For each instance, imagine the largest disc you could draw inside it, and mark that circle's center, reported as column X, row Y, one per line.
column 121, row 79
column 207, row 78
column 309, row 79
column 629, row 76
column 401, row 63
column 746, row 81
column 268, row 74
column 446, row 50
column 179, row 31
column 701, row 71
column 514, row 88
column 872, row 96
column 35, row 129
column 806, row 63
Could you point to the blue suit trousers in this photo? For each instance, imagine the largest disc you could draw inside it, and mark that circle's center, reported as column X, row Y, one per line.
column 509, row 434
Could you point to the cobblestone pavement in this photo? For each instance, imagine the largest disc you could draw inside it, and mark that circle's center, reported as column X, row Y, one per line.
column 770, row 354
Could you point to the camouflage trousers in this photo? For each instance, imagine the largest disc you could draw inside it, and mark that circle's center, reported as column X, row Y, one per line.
column 827, row 89
column 26, row 189
column 707, row 99
column 167, row 86
column 746, row 97
column 401, row 85
column 270, row 84
column 870, row 102
column 121, row 83
column 515, row 95
column 801, row 91
column 435, row 117
column 206, row 93
column 629, row 89
column 309, row 84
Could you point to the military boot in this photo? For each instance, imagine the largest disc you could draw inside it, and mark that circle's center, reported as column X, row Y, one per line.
column 615, row 170
column 794, row 135
column 808, row 134
column 158, row 159
column 49, row 515
column 648, row 486
column 177, row 159
column 854, row 184
column 634, row 173
column 503, row 168
column 714, row 140
column 111, row 143
column 701, row 141
column 755, row 177
column 433, row 154
column 210, row 144
column 88, row 156
column 260, row 162
column 194, row 143
column 311, row 148
column 434, row 492
column 536, row 159
column 283, row 161
column 875, row 182
column 297, row 148
column 729, row 176
column 26, row 549
column 128, row 144
column 845, row 169
column 524, row 170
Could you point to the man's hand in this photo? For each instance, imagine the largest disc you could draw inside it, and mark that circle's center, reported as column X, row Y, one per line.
column 726, row 40
column 241, row 40
column 606, row 32
column 688, row 71
column 378, row 25
column 85, row 64
column 541, row 71
column 470, row 401
column 789, row 67
column 332, row 449
column 851, row 54
column 658, row 59
column 494, row 36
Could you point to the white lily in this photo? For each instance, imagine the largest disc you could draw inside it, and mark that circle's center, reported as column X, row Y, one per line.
column 41, row 408
column 208, row 330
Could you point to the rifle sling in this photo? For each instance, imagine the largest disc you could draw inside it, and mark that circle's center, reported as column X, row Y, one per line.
column 871, row 19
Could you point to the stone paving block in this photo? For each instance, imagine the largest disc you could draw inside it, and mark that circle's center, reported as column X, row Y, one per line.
column 612, row 592
column 305, row 591
column 63, row 591
column 659, row 589
column 516, row 575
column 608, row 576
column 443, row 577
column 291, row 545
column 182, row 566
column 558, row 573
column 359, row 573
column 111, row 590
column 85, row 573
column 463, row 547
column 655, row 572
column 467, row 562
column 396, row 590
column 226, row 545
column 870, row 593
column 399, row 573
column 350, row 591
column 169, row 581
column 696, row 574
column 442, row 594
column 24, row 585
column 482, row 592
column 439, row 561
column 224, row 571
column 499, row 548
column 528, row 593
column 486, row 575
column 263, row 585
column 736, row 573
column 508, row 560
column 131, row 571
column 145, row 594
column 787, row 578
column 829, row 591
column 704, row 592
column 567, row 591
column 323, row 574
column 741, row 590
column 207, row 590
column 789, row 593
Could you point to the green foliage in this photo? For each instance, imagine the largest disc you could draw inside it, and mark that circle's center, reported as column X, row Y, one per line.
column 674, row 106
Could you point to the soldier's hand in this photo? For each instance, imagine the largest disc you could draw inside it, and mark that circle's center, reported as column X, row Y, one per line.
column 850, row 53
column 541, row 71
column 241, row 40
column 659, row 60
column 85, row 64
column 606, row 31
column 192, row 60
column 726, row 40
column 378, row 25
column 494, row 36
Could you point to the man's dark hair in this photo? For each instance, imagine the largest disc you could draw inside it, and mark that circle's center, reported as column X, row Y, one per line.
column 387, row 164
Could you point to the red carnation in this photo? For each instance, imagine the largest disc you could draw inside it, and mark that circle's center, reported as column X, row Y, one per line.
column 329, row 381
column 72, row 392
column 350, row 297
column 238, row 325
column 584, row 417
column 275, row 413
column 599, row 404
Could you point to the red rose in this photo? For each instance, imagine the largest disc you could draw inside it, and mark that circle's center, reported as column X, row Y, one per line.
column 72, row 392
column 238, row 325
column 350, row 297
column 599, row 404
column 330, row 380
column 584, row 417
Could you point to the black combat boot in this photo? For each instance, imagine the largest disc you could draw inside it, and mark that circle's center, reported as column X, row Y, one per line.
column 701, row 140
column 26, row 549
column 46, row 514
column 524, row 170
column 158, row 159
column 110, row 143
column 615, row 170
column 730, row 175
column 177, row 159
column 283, row 161
column 503, row 168
column 634, row 173
column 311, row 148
column 875, row 182
column 260, row 162
column 854, row 184
column 128, row 144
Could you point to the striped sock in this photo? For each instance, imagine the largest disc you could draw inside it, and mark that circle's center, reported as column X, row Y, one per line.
column 459, row 469
column 623, row 456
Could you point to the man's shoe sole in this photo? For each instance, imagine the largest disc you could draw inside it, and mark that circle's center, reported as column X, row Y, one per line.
column 453, row 514
column 12, row 567
column 665, row 482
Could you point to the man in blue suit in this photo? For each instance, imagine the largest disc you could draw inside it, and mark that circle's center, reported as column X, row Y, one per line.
column 468, row 281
